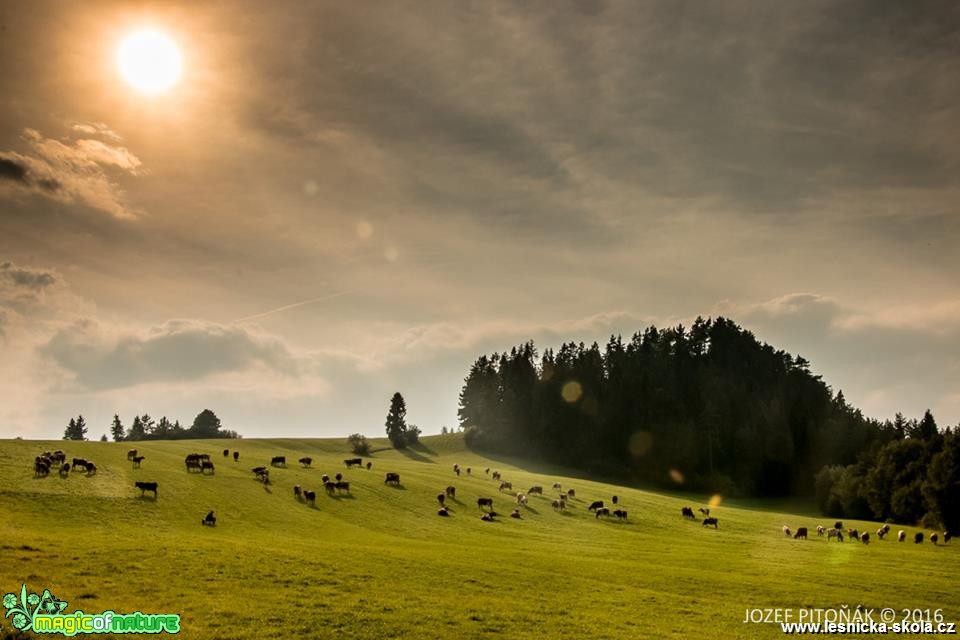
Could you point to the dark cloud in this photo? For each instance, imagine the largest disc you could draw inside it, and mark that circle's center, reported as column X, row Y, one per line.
column 10, row 169
column 26, row 277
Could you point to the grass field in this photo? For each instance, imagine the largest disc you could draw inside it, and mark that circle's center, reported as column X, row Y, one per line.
column 380, row 563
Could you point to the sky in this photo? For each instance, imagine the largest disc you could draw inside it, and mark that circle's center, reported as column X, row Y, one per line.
column 337, row 201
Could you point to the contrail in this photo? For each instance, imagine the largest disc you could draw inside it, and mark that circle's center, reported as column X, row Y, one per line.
column 296, row 304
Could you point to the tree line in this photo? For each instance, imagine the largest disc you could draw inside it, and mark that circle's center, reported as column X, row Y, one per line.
column 709, row 408
column 143, row 427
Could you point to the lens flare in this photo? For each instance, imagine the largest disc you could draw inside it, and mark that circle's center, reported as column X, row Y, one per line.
column 572, row 391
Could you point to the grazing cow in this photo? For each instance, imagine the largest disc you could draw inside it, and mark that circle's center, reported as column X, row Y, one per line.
column 886, row 529
column 369, row 466
column 204, row 456
column 468, row 470
column 91, row 469
column 603, row 511
column 496, row 475
column 392, row 478
column 205, row 465
column 297, row 491
column 515, row 514
column 226, row 453
column 615, row 499
column 487, row 471
column 946, row 537
column 338, row 477
column 621, row 514
column 324, row 478
column 918, row 537
column 571, row 494
column 838, row 525
column 820, row 530
column 192, row 461
column 882, row 531
column 236, row 456
column 330, row 487
column 487, row 517
column 441, row 497
column 596, row 504
column 78, row 462
column 442, row 511
column 521, row 499
column 306, row 461
column 343, row 486
column 710, row 521
column 705, row 512
column 59, row 456
column 41, row 469
column 131, row 454
column 865, row 537
column 456, row 469
column 538, row 490
column 786, row 531
column 835, row 533
column 259, row 471
column 137, row 460
column 556, row 486
column 65, row 471
column 559, row 505
column 209, row 520
column 310, row 497
column 901, row 536
column 801, row 533
column 687, row 512
column 506, row 485
column 933, row 538
column 352, row 462
column 853, row 533
column 451, row 491
column 146, row 486
column 485, row 502
column 278, row 461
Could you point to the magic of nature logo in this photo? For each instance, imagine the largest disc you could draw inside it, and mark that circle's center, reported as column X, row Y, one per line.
column 44, row 613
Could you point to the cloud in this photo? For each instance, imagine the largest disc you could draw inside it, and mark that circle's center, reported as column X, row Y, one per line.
column 96, row 129
column 179, row 351
column 71, row 171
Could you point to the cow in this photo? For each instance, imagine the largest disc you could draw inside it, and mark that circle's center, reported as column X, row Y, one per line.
column 206, row 465
column 853, row 533
column 59, row 456
column 78, row 462
column 204, row 456
column 236, row 456
column 369, row 466
column 487, row 517
column 687, row 512
column 451, row 492
column 338, row 477
column 710, row 521
column 882, row 531
column 456, row 469
column 209, row 520
column 496, row 475
column 441, row 497
column 297, row 491
column 557, row 486
column 91, row 469
column 306, row 461
column 442, row 511
column 41, row 468
column 324, row 478
column 343, row 486
column 521, row 499
column 310, row 497
column 468, row 470
column 596, row 504
column 838, row 525
column 487, row 471
column 226, row 453
column 934, row 538
column 801, row 533
column 192, row 461
column 603, row 511
column 621, row 514
column 353, row 462
column 64, row 470
column 484, row 502
column 536, row 490
column 392, row 478
column 506, row 485
column 137, row 460
column 259, row 471
column 614, row 499
column 559, row 505
column 131, row 454
column 918, row 537
column 786, row 531
column 835, row 533
column 704, row 511
column 515, row 514
column 901, row 535
column 330, row 487
column 865, row 537
column 571, row 494
column 278, row 461
column 820, row 530
column 146, row 486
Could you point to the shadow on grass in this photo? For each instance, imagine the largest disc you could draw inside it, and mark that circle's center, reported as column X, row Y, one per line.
column 414, row 454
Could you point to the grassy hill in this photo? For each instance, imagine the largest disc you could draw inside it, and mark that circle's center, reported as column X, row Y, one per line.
column 380, row 563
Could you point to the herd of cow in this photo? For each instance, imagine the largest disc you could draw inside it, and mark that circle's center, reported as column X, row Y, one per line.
column 836, row 531
column 49, row 460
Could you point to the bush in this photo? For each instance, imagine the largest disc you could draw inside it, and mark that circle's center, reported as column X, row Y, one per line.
column 413, row 434
column 359, row 444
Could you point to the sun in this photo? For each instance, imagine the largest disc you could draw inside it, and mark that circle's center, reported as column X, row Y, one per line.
column 149, row 61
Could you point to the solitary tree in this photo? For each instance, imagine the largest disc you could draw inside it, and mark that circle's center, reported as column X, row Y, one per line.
column 116, row 429
column 103, row 438
column 397, row 422
column 359, row 444
column 206, row 425
column 76, row 429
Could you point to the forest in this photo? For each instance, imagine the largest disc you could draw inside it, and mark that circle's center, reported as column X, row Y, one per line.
column 711, row 408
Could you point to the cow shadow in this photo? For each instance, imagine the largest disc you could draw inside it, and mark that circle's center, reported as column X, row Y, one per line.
column 532, row 510
column 147, row 498
column 397, row 486
column 267, row 488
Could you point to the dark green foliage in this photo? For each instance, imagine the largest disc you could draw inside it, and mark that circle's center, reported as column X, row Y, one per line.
column 76, row 429
column 413, row 434
column 137, row 431
column 942, row 488
column 116, row 429
column 205, row 425
column 396, row 422
column 103, row 438
column 359, row 444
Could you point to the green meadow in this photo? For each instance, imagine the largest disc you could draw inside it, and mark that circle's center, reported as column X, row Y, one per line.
column 380, row 563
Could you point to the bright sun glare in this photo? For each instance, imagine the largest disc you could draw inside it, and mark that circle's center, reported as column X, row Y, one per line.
column 149, row 61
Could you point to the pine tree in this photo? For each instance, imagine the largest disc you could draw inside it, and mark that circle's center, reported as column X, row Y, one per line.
column 136, row 429
column 70, row 430
column 396, row 422
column 116, row 429
column 103, row 438
column 76, row 429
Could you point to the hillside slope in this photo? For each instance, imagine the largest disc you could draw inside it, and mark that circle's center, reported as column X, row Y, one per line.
column 380, row 563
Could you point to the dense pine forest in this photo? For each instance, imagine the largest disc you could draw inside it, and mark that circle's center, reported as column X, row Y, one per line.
column 711, row 408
